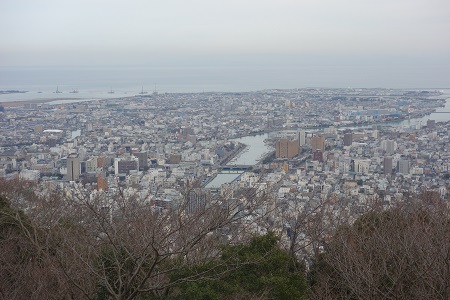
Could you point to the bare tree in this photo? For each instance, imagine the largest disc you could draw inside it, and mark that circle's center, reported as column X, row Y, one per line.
column 307, row 226
column 402, row 253
column 103, row 247
column 27, row 269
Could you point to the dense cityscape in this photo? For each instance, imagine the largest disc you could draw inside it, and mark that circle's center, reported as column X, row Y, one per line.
column 322, row 144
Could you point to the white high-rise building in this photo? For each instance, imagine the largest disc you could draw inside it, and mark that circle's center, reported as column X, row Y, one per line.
column 302, row 137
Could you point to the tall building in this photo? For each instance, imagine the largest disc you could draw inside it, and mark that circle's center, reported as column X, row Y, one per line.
column 403, row 166
column 302, row 138
column 361, row 166
column 318, row 143
column 73, row 167
column 348, row 139
column 143, row 159
column 285, row 148
column 387, row 165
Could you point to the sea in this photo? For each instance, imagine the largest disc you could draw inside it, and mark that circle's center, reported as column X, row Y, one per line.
column 99, row 82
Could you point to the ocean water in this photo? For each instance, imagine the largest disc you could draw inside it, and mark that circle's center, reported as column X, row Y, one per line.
column 95, row 83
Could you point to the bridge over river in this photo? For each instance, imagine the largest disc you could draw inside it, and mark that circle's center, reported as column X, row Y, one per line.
column 235, row 168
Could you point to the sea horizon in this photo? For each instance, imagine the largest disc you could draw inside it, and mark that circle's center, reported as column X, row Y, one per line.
column 98, row 82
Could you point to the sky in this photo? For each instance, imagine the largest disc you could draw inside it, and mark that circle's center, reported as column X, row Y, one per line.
column 206, row 33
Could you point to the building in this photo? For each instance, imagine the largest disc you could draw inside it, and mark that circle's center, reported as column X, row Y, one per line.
column 82, row 167
column 431, row 124
column 318, row 143
column 124, row 166
column 142, row 158
column 318, row 155
column 38, row 128
column 330, row 131
column 90, row 177
column 91, row 164
column 387, row 165
column 285, row 148
column 30, row 175
column 175, row 158
column 348, row 139
column 302, row 138
column 361, row 166
column 102, row 182
column 103, row 162
column 73, row 167
column 197, row 200
column 51, row 142
column 403, row 166
column 389, row 146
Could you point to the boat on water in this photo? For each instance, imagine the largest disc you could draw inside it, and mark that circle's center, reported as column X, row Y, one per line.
column 74, row 91
column 142, row 92
column 57, row 90
column 111, row 91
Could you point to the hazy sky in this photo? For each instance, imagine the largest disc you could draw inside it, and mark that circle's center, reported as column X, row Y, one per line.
column 41, row 32
column 411, row 33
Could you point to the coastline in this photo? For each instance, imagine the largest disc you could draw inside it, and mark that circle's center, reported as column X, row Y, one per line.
column 35, row 101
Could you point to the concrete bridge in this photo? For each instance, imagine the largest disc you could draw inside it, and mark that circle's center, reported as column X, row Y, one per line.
column 235, row 168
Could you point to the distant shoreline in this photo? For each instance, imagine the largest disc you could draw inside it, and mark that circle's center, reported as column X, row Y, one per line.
column 7, row 92
column 36, row 101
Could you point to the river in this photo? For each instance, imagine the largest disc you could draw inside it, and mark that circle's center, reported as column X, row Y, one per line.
column 252, row 154
column 256, row 148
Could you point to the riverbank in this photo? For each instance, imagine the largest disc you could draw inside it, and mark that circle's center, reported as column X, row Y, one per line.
column 236, row 152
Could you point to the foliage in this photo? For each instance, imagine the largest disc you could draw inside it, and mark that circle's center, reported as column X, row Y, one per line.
column 257, row 269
